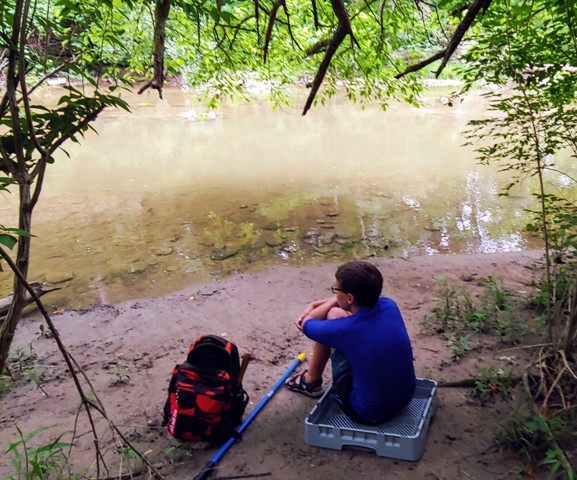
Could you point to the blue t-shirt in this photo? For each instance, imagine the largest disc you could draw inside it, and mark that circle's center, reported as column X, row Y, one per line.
column 376, row 344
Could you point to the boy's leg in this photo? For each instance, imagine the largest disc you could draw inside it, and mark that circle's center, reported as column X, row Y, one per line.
column 317, row 362
column 310, row 381
column 340, row 367
column 342, row 386
column 321, row 353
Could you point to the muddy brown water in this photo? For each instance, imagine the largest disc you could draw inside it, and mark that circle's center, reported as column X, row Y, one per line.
column 165, row 196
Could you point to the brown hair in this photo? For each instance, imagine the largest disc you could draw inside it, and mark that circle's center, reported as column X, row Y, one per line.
column 361, row 279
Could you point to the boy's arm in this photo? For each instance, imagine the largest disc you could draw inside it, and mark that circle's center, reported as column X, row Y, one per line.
column 311, row 306
column 317, row 310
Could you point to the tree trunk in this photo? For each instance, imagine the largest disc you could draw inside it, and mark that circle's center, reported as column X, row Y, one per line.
column 16, row 75
column 161, row 12
column 8, row 327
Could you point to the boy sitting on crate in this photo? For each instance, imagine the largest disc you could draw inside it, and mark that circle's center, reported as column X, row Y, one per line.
column 365, row 337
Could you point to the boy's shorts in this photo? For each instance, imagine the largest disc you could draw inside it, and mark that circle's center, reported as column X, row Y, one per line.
column 342, row 386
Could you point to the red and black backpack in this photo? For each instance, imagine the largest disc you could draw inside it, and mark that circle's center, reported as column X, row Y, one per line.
column 206, row 399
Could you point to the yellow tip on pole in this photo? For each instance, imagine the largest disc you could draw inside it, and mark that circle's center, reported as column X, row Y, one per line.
column 302, row 356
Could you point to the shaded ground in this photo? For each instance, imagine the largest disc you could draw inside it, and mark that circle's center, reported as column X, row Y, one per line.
column 128, row 351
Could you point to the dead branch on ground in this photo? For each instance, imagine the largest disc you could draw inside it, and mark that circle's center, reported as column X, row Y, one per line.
column 39, row 289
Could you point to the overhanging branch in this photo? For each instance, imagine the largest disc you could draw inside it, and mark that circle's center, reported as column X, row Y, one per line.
column 462, row 28
column 343, row 29
column 455, row 40
column 271, row 20
column 161, row 12
column 423, row 64
column 336, row 41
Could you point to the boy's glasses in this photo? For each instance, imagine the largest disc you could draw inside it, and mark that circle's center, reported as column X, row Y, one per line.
column 335, row 290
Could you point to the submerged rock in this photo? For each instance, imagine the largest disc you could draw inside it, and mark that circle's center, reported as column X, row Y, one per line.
column 223, row 253
column 163, row 251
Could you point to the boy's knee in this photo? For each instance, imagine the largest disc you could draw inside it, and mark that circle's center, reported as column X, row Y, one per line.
column 336, row 312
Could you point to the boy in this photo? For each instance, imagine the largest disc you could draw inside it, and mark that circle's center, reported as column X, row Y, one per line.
column 372, row 361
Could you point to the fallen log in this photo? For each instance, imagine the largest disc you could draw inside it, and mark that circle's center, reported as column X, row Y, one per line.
column 39, row 289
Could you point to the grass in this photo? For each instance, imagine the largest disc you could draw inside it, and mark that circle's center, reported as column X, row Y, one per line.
column 541, row 415
column 461, row 317
column 42, row 462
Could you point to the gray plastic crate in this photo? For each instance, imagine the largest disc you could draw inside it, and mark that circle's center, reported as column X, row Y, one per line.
column 402, row 437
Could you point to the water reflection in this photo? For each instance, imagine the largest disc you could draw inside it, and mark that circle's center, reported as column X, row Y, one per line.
column 163, row 197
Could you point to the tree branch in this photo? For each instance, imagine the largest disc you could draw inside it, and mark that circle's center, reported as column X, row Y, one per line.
column 237, row 28
column 160, row 16
column 288, row 20
column 343, row 17
column 336, row 41
column 318, row 47
column 315, row 14
column 423, row 64
column 271, row 20
column 454, row 42
column 343, row 29
column 257, row 20
column 462, row 28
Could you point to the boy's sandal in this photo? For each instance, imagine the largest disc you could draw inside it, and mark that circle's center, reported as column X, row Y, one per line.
column 300, row 385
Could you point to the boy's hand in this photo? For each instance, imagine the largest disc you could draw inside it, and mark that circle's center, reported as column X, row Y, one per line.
column 306, row 313
column 299, row 322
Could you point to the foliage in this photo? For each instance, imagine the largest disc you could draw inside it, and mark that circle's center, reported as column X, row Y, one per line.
column 561, row 217
column 532, row 434
column 24, row 364
column 493, row 381
column 131, row 459
column 9, row 238
column 175, row 453
column 457, row 312
column 221, row 50
column 23, row 358
column 4, row 386
column 529, row 60
column 459, row 346
column 446, row 311
column 31, row 132
column 224, row 48
column 553, row 460
column 38, row 41
column 533, row 122
column 119, row 372
column 532, row 114
column 38, row 463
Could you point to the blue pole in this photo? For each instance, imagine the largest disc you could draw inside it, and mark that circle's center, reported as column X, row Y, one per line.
column 205, row 472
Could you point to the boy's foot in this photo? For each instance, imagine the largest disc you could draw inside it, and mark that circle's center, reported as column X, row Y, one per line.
column 300, row 385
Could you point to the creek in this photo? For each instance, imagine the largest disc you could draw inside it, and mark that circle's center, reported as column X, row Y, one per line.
column 166, row 196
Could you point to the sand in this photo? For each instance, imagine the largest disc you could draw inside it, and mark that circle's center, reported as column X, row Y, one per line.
column 128, row 352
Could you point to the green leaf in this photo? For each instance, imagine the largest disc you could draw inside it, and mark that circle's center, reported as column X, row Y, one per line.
column 8, row 240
